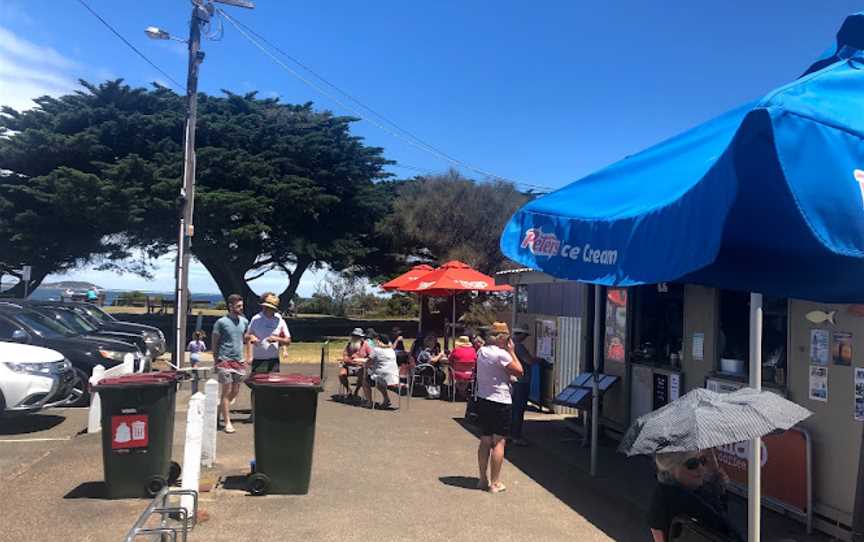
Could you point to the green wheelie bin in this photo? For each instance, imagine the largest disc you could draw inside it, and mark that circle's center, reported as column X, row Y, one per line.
column 138, row 433
column 285, row 407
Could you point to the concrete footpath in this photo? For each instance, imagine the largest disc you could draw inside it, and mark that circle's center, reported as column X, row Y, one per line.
column 377, row 475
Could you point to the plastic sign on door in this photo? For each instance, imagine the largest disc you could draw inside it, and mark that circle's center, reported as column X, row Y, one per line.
column 129, row 432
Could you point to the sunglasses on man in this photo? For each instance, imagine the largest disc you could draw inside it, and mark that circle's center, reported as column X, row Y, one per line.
column 695, row 462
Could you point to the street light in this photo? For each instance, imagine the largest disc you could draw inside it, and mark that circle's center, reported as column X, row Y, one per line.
column 202, row 11
column 157, row 33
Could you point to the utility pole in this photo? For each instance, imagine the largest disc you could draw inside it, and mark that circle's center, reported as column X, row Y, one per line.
column 200, row 15
column 202, row 12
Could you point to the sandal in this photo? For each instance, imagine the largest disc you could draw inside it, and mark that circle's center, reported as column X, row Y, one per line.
column 230, row 429
column 497, row 488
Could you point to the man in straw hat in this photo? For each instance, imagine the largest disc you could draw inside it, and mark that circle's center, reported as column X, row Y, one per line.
column 267, row 333
column 496, row 363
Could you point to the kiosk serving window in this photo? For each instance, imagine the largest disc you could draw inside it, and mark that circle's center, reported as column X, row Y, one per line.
column 734, row 336
column 658, row 324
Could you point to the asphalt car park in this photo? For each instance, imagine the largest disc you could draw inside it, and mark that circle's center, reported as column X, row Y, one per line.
column 27, row 439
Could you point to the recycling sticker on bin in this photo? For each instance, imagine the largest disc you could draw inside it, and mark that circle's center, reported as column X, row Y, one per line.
column 129, row 432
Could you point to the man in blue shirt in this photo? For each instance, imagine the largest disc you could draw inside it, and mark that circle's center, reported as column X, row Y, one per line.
column 228, row 354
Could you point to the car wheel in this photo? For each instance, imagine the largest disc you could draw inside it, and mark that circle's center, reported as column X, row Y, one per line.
column 80, row 395
column 259, row 484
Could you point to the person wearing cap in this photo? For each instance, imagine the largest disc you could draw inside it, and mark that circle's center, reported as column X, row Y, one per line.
column 354, row 357
column 266, row 334
column 496, row 363
column 522, row 386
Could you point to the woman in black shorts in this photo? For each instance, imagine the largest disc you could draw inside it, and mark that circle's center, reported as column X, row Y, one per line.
column 496, row 363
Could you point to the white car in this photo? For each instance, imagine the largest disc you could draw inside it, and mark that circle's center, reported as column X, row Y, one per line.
column 32, row 378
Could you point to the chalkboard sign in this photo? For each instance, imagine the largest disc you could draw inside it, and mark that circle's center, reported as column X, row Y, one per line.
column 661, row 390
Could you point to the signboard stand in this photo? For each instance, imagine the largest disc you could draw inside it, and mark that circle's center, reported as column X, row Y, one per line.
column 778, row 493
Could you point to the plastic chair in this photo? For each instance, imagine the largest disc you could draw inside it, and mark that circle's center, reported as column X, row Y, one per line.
column 357, row 374
column 395, row 388
column 462, row 372
column 425, row 373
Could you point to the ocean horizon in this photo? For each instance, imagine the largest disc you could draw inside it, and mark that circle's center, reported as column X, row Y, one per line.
column 51, row 293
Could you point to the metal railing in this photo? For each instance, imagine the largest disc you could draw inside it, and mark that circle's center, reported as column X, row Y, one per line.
column 174, row 519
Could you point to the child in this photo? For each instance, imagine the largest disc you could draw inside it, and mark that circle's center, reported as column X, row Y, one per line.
column 196, row 346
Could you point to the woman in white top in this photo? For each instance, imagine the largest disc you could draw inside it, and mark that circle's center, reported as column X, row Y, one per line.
column 496, row 363
column 382, row 371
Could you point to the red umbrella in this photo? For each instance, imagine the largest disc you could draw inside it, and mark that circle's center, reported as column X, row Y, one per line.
column 454, row 276
column 409, row 276
column 451, row 278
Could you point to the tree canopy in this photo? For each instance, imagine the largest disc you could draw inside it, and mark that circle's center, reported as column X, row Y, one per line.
column 96, row 174
column 449, row 217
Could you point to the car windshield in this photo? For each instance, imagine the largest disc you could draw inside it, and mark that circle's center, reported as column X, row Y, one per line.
column 96, row 313
column 73, row 321
column 43, row 326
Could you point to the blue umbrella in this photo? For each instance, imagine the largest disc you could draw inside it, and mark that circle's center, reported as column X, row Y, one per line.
column 766, row 198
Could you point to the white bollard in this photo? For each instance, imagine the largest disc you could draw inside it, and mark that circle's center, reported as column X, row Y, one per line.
column 192, row 450
column 94, row 416
column 211, row 407
column 128, row 364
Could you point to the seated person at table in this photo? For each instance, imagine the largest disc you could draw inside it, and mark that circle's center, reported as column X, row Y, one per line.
column 427, row 355
column 462, row 360
column 382, row 371
column 354, row 357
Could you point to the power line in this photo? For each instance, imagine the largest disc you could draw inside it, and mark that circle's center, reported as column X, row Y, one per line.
column 128, row 44
column 393, row 128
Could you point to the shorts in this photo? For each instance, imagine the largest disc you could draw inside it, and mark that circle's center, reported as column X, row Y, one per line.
column 265, row 365
column 494, row 418
column 353, row 370
column 230, row 372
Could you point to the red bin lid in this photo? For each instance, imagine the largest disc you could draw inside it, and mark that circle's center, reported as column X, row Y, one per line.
column 138, row 380
column 280, row 379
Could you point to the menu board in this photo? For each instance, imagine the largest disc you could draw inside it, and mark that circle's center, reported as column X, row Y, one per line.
column 661, row 390
column 616, row 325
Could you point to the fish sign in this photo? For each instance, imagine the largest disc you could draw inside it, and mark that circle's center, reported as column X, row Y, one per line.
column 820, row 317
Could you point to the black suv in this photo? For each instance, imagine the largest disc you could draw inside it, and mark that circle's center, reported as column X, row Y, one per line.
column 152, row 335
column 79, row 323
column 31, row 327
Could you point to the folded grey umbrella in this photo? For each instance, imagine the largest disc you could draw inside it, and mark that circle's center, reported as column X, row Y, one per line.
column 705, row 419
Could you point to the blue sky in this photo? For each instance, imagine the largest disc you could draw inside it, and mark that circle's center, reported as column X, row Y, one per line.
column 538, row 92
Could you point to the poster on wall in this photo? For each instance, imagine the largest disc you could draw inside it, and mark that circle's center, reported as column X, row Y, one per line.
column 616, row 324
column 661, row 390
column 698, row 346
column 819, row 383
column 859, row 394
column 544, row 333
column 841, row 348
column 819, row 340
column 674, row 387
